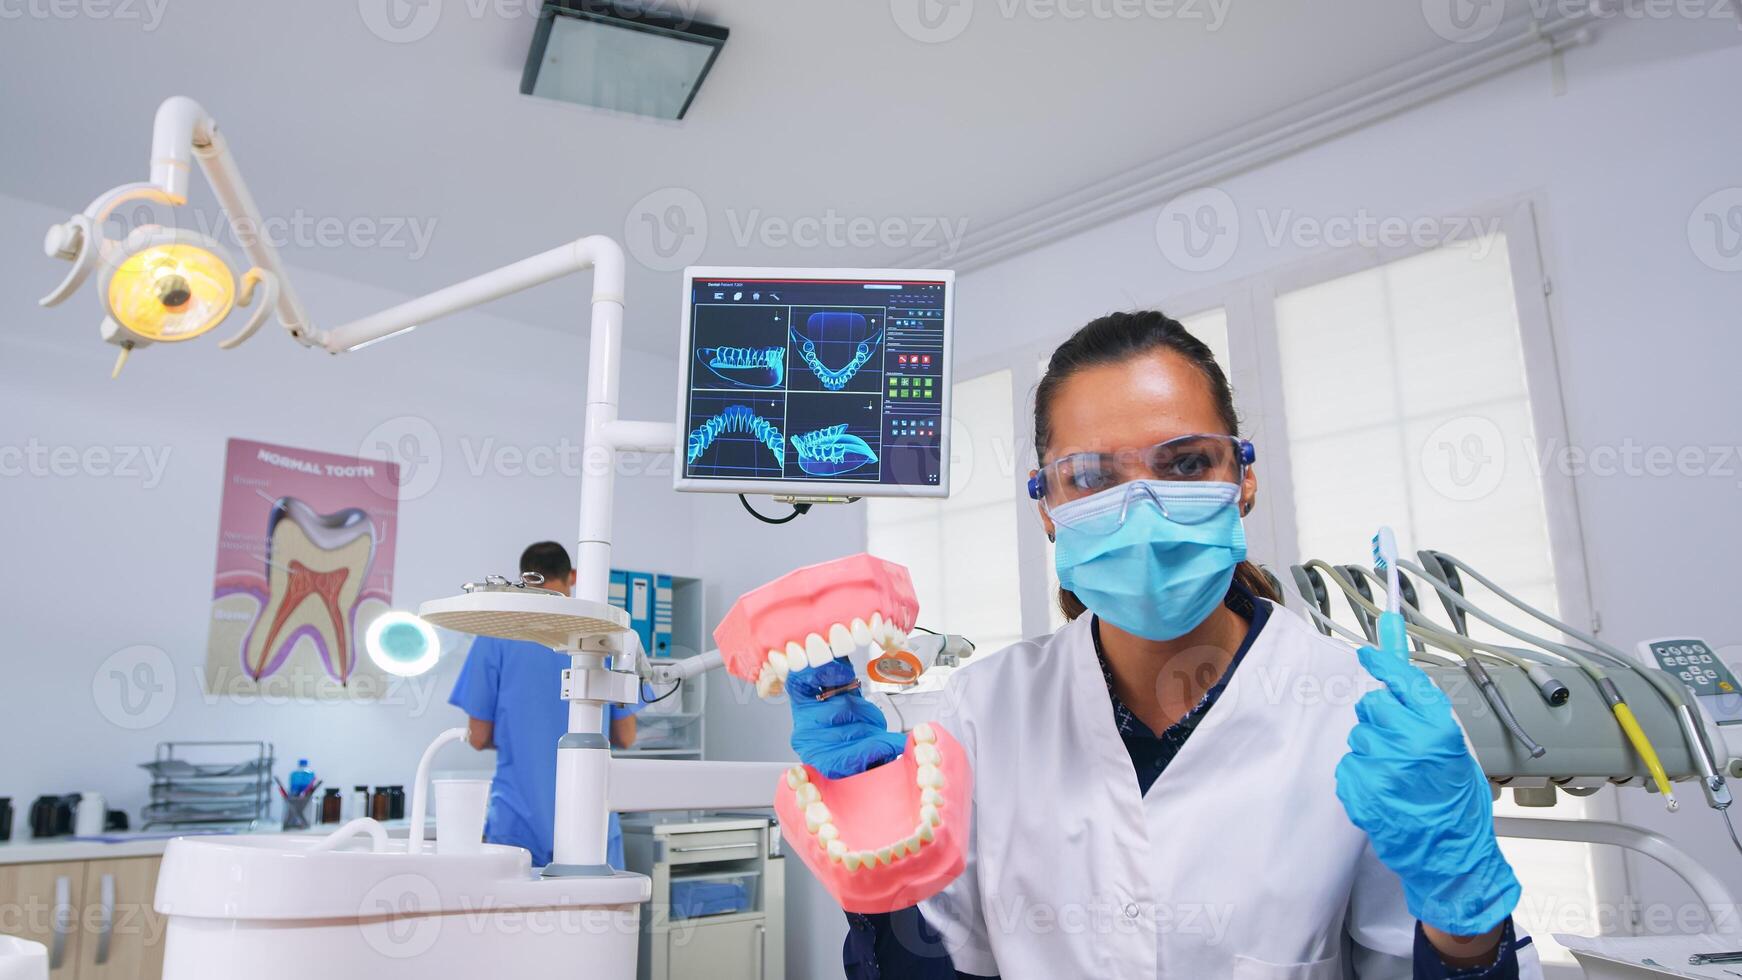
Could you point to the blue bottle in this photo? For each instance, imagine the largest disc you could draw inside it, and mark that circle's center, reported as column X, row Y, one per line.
column 301, row 778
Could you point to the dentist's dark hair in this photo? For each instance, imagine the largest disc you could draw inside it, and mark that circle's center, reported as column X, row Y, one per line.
column 1119, row 337
column 549, row 559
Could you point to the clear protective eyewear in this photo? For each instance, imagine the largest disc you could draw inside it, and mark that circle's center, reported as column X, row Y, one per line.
column 1190, row 478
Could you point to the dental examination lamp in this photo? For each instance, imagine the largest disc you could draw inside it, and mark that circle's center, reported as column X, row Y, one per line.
column 166, row 285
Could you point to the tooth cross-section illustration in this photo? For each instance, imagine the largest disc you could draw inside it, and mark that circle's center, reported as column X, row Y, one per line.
column 831, row 451
column 887, row 837
column 316, row 565
column 746, row 367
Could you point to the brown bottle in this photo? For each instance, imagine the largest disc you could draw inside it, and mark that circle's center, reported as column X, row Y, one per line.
column 330, row 805
column 381, row 804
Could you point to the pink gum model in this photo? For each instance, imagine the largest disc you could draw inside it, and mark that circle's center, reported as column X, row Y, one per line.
column 888, row 837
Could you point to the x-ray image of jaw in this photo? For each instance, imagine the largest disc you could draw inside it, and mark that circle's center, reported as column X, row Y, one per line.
column 835, row 345
column 832, row 451
column 745, row 367
column 316, row 566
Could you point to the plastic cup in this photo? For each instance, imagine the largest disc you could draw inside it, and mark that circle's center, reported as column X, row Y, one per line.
column 460, row 805
column 21, row 959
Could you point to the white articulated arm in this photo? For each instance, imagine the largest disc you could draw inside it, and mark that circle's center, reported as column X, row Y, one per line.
column 597, row 252
column 185, row 132
column 181, row 122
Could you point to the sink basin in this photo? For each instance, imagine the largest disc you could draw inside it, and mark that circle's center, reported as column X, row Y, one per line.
column 274, row 907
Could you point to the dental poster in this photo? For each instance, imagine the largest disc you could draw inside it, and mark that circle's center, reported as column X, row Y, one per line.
column 305, row 563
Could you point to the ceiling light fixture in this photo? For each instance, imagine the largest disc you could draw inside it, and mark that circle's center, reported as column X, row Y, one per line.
column 620, row 56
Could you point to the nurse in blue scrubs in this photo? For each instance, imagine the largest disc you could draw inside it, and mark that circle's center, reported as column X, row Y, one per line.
column 512, row 692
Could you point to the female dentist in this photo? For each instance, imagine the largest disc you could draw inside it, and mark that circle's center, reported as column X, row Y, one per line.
column 1186, row 780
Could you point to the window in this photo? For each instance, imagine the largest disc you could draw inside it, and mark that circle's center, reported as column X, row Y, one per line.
column 962, row 550
column 1398, row 381
column 1425, row 369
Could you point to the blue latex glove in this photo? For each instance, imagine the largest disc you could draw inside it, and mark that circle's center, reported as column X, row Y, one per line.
column 1410, row 783
column 844, row 735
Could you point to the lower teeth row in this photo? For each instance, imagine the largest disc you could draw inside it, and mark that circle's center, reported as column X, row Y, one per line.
column 929, row 775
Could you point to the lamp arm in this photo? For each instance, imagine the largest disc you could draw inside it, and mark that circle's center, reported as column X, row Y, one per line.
column 596, row 252
column 184, row 132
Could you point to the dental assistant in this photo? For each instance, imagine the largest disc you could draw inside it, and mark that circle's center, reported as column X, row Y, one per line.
column 1187, row 780
column 511, row 692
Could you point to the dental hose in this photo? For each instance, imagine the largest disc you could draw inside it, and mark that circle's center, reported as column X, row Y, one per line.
column 1552, row 689
column 1711, row 781
column 1395, row 631
column 1624, row 716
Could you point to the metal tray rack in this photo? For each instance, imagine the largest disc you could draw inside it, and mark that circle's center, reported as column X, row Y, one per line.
column 209, row 784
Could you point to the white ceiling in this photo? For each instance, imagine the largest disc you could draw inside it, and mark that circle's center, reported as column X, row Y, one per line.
column 816, row 109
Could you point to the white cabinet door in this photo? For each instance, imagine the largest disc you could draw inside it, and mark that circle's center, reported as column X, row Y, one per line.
column 731, row 950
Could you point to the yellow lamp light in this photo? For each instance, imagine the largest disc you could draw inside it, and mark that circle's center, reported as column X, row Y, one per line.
column 171, row 291
column 166, row 285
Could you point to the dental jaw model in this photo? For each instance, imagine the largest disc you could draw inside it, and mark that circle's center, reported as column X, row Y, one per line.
column 880, row 837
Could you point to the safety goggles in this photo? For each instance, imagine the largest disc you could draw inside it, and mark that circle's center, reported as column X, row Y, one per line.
column 1189, row 477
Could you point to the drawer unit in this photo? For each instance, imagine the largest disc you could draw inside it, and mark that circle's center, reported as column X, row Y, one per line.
column 718, row 910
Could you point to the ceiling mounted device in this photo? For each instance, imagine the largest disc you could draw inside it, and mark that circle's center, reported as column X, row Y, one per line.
column 623, row 57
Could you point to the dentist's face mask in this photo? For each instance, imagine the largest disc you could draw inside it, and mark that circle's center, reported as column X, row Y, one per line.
column 1153, row 556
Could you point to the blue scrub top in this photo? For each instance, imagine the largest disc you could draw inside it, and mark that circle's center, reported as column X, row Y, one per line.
column 517, row 685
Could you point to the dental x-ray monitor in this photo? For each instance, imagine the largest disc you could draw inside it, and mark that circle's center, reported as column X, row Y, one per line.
column 815, row 382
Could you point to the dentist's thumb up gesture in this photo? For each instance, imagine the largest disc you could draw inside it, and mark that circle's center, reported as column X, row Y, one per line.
column 1411, row 784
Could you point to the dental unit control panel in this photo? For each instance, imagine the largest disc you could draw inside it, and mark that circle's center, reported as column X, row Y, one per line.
column 1702, row 670
column 815, row 381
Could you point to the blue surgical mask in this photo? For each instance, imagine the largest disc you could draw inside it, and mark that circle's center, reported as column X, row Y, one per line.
column 1151, row 576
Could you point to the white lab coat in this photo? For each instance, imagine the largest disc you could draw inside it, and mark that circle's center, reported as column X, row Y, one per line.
column 1239, row 863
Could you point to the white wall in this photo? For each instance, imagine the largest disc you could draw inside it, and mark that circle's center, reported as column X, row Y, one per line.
column 1646, row 333
column 95, row 564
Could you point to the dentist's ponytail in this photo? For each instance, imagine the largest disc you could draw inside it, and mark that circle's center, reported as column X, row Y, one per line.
column 1119, row 337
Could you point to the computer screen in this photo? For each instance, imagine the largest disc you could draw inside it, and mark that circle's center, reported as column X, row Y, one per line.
column 815, row 382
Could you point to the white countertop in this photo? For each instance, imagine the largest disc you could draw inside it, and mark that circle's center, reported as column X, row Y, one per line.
column 143, row 843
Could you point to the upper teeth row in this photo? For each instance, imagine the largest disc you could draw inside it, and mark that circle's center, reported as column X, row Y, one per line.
column 816, row 650
column 821, row 825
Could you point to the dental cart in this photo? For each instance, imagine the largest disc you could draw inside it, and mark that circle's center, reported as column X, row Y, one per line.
column 719, row 897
